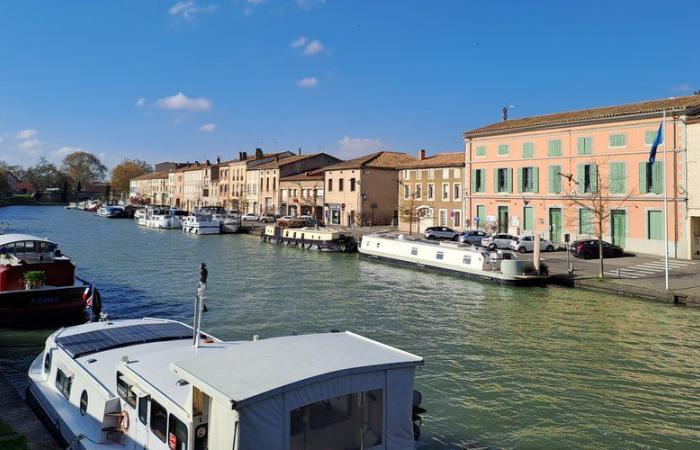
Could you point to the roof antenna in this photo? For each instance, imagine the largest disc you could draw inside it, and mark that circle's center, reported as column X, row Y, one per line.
column 505, row 111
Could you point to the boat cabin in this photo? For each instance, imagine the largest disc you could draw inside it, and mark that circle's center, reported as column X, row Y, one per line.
column 21, row 253
column 142, row 384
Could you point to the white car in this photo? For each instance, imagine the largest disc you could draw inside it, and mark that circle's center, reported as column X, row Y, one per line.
column 526, row 243
column 499, row 240
column 250, row 217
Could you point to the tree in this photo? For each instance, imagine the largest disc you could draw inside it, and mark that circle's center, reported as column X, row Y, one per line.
column 84, row 168
column 17, row 171
column 407, row 208
column 594, row 193
column 125, row 171
column 4, row 182
column 44, row 175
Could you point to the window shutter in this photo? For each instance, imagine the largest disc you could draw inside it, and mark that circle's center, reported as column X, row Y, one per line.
column 554, row 147
column 509, row 180
column 643, row 177
column 474, row 186
column 482, row 185
column 495, row 180
column 536, row 179
column 594, row 178
column 658, row 181
column 528, row 150
column 580, row 177
column 520, row 179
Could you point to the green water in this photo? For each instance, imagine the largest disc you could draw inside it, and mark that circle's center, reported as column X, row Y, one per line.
column 505, row 367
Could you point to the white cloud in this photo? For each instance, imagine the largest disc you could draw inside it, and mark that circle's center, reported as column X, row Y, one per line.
column 31, row 144
column 299, row 42
column 140, row 102
column 310, row 4
column 208, row 128
column 64, row 151
column 684, row 88
column 314, row 47
column 354, row 147
column 27, row 134
column 181, row 101
column 188, row 9
column 307, row 82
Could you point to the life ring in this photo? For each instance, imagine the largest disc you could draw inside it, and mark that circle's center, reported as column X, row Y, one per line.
column 124, row 421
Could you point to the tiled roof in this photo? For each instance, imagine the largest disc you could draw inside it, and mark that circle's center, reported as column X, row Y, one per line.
column 378, row 160
column 284, row 161
column 152, row 176
column 251, row 158
column 308, row 176
column 193, row 166
column 447, row 159
column 689, row 103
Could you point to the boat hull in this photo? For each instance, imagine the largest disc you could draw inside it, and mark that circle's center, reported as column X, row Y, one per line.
column 337, row 245
column 189, row 229
column 524, row 281
column 39, row 405
column 49, row 305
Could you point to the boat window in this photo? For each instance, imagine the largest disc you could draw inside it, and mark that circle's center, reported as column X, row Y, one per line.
column 125, row 390
column 177, row 437
column 47, row 362
column 63, row 383
column 348, row 421
column 83, row 403
column 143, row 410
column 414, row 251
column 467, row 259
column 159, row 420
column 440, row 255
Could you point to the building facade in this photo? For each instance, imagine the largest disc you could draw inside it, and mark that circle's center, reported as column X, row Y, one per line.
column 196, row 185
column 574, row 173
column 364, row 191
column 150, row 188
column 302, row 194
column 693, row 219
column 430, row 192
column 266, row 178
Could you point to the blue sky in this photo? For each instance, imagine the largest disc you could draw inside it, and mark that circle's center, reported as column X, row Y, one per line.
column 186, row 80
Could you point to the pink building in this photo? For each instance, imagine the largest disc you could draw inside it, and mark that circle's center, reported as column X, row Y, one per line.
column 538, row 174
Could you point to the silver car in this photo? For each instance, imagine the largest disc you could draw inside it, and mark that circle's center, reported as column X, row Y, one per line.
column 473, row 237
column 500, row 240
column 440, row 233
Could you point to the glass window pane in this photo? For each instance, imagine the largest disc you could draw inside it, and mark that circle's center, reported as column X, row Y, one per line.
column 159, row 420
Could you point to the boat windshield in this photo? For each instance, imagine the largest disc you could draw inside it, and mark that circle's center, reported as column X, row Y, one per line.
column 28, row 247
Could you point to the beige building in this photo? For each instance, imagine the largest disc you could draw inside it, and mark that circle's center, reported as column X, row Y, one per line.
column 196, row 185
column 302, row 194
column 364, row 191
column 693, row 219
column 431, row 192
column 266, row 178
column 150, row 187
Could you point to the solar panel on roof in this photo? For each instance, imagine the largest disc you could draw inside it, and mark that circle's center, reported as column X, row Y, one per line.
column 82, row 344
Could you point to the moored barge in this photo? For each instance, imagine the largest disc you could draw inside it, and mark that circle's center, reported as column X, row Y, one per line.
column 312, row 238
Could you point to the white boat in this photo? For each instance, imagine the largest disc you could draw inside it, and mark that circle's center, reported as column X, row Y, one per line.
column 110, row 212
column 325, row 239
column 452, row 257
column 230, row 222
column 201, row 222
column 163, row 217
column 72, row 205
column 139, row 214
column 143, row 384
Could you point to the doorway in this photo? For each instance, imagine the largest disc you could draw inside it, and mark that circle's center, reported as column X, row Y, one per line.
column 555, row 224
column 618, row 227
column 502, row 219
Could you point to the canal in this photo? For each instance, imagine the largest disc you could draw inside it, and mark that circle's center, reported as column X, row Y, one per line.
column 505, row 367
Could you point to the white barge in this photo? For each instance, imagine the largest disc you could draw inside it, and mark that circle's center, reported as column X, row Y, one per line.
column 201, row 222
column 314, row 238
column 139, row 384
column 452, row 257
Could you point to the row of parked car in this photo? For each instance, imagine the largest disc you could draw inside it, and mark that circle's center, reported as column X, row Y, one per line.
column 585, row 248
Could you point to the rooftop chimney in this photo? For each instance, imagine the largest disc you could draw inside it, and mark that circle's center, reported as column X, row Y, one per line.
column 218, row 159
column 421, row 154
column 299, row 151
column 245, row 156
column 208, row 163
column 258, row 153
column 240, row 156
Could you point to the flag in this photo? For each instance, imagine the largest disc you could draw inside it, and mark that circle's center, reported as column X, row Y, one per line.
column 657, row 141
column 88, row 295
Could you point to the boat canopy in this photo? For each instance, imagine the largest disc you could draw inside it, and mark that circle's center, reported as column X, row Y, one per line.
column 294, row 387
column 16, row 237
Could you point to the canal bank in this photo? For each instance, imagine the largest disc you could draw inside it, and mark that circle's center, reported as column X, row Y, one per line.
column 505, row 368
column 25, row 429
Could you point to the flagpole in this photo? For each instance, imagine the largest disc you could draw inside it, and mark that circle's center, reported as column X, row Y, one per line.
column 665, row 187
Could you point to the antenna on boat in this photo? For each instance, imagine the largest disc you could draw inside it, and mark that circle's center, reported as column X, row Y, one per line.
column 199, row 306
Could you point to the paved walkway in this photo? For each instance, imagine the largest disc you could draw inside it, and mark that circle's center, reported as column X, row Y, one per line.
column 22, row 420
column 637, row 275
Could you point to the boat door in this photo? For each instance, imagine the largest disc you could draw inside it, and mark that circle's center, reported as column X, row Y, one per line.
column 140, row 422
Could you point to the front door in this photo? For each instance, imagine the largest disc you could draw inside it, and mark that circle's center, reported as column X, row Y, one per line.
column 555, row 224
column 502, row 219
column 618, row 227
column 140, row 423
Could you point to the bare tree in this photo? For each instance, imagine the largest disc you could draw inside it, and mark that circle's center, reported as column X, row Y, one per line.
column 408, row 210
column 592, row 191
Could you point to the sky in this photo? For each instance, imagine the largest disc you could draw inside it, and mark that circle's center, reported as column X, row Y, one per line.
column 195, row 79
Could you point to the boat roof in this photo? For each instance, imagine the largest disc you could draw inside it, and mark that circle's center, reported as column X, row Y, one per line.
column 256, row 370
column 17, row 237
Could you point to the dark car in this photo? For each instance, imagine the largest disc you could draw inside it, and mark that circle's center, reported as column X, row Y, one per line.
column 588, row 249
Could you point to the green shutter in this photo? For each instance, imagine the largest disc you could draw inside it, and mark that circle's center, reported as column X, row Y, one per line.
column 475, row 188
column 521, row 186
column 594, row 178
column 650, row 137
column 580, row 177
column 585, row 146
column 495, row 180
column 554, row 179
column 657, row 185
column 528, row 150
column 503, row 149
column 528, row 218
column 617, row 178
column 643, row 177
column 618, row 140
column 509, row 180
column 535, row 179
column 655, row 225
column 481, row 151
column 554, row 147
